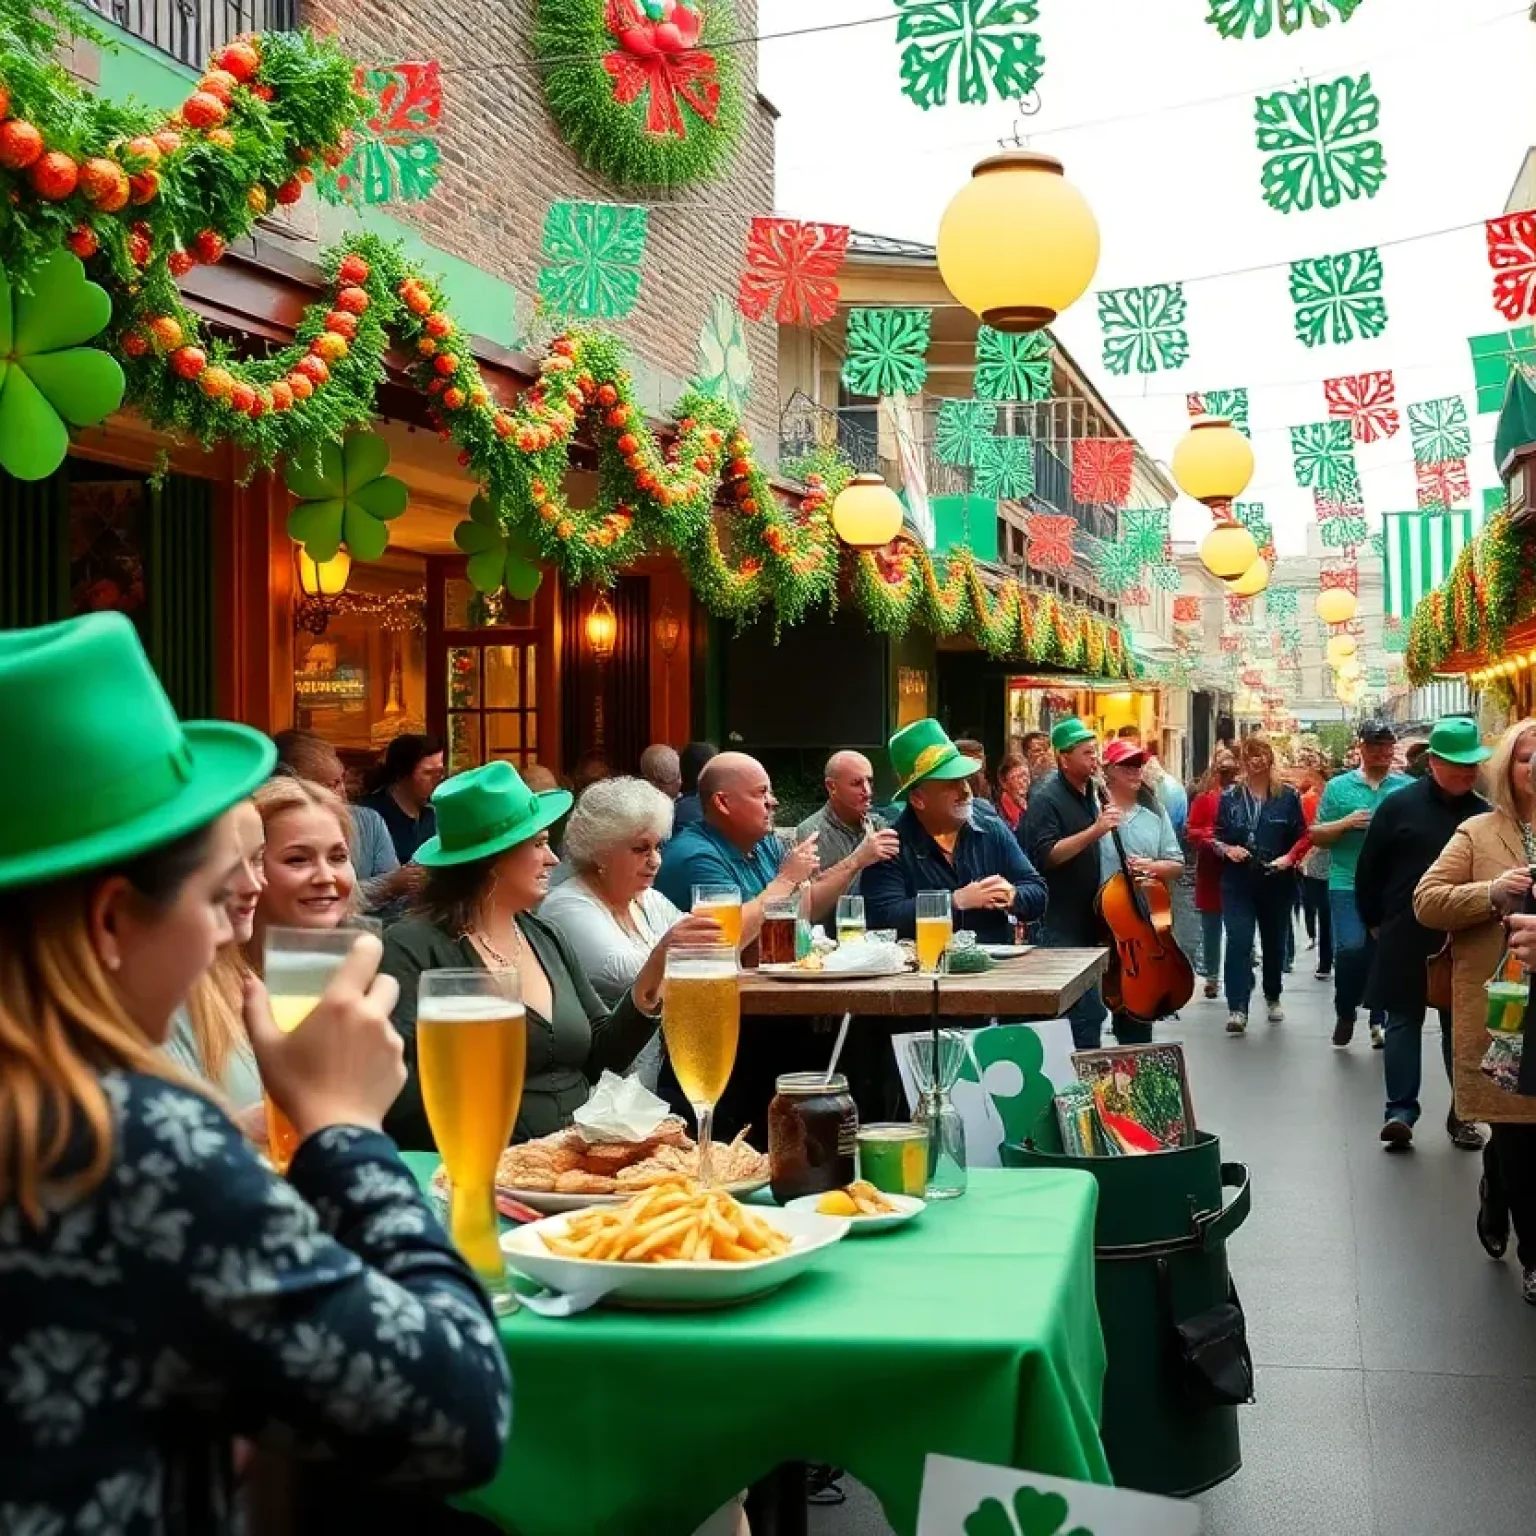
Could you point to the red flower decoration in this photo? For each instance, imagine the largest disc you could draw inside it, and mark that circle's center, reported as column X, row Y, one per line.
column 1050, row 542
column 792, row 266
column 1367, row 401
column 660, row 61
column 1101, row 470
column 1512, row 255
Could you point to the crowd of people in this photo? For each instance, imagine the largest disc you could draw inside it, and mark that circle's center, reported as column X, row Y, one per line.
column 170, row 1293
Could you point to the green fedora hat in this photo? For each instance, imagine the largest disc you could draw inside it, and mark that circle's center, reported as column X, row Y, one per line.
column 922, row 751
column 100, row 769
column 1455, row 740
column 1069, row 733
column 486, row 811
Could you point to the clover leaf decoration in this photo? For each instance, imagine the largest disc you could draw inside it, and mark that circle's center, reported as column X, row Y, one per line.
column 496, row 558
column 1034, row 1514
column 48, row 377
column 345, row 498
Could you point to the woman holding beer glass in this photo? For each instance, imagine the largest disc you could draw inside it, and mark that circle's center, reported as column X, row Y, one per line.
column 1484, row 875
column 487, row 869
column 145, row 1239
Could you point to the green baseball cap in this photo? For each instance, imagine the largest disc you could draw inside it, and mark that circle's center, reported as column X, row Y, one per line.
column 100, row 769
column 487, row 810
column 1455, row 740
column 921, row 751
column 1069, row 733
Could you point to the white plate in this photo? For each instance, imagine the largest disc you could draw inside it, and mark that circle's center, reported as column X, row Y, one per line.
column 1004, row 951
column 681, row 1285
column 554, row 1203
column 797, row 973
column 907, row 1206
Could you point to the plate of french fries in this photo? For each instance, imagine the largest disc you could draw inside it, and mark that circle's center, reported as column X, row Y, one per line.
column 862, row 1206
column 673, row 1245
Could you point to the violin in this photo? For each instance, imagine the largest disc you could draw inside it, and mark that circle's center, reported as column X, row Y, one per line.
column 1149, row 976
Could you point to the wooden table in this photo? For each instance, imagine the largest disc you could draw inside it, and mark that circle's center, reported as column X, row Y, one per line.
column 1039, row 984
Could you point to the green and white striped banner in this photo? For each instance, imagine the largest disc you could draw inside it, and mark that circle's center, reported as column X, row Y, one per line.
column 1418, row 551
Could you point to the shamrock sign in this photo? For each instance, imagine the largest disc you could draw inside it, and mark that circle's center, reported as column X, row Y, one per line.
column 49, row 379
column 496, row 558
column 345, row 499
column 1032, row 1514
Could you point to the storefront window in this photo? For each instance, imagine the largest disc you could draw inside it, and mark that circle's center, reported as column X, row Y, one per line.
column 492, row 709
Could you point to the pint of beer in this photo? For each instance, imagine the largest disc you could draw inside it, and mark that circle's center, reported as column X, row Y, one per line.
column 935, row 928
column 723, row 903
column 472, row 1052
column 700, row 1023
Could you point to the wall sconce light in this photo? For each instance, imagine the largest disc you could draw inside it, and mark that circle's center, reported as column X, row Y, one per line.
column 319, row 581
column 602, row 628
column 669, row 630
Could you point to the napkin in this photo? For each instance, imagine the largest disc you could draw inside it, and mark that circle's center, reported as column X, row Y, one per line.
column 620, row 1109
column 867, row 956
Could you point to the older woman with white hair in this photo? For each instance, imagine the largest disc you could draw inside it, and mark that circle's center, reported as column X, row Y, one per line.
column 609, row 909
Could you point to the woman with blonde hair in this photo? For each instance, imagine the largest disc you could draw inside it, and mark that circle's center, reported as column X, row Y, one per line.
column 162, row 1288
column 1260, row 834
column 1482, row 876
column 307, row 858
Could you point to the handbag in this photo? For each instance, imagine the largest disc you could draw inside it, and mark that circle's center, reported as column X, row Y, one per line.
column 1437, row 978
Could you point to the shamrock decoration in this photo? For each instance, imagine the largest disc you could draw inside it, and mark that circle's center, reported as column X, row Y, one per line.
column 1020, row 1047
column 346, row 500
column 725, row 364
column 1033, row 1514
column 48, row 376
column 496, row 558
column 1316, row 144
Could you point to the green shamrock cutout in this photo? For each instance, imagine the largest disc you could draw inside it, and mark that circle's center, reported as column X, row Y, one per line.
column 347, row 499
column 47, row 375
column 1020, row 1045
column 496, row 558
column 1034, row 1514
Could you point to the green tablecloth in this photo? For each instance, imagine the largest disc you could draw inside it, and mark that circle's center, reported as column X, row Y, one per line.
column 972, row 1331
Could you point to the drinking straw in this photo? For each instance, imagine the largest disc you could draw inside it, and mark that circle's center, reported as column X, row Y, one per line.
column 837, row 1050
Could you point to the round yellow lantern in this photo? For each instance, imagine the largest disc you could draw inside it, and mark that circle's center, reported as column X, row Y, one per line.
column 867, row 513
column 1018, row 243
column 1228, row 551
column 1350, row 671
column 1336, row 605
column 1340, row 649
column 1213, row 462
column 1253, row 581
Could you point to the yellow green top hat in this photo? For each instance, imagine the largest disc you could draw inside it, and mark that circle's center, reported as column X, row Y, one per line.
column 100, row 769
column 922, row 751
column 486, row 811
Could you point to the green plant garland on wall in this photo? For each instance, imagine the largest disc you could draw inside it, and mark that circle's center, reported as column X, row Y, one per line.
column 640, row 88
column 273, row 106
column 1488, row 590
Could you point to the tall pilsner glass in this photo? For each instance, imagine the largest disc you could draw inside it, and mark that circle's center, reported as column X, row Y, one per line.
column 472, row 1051
column 297, row 965
column 700, row 1022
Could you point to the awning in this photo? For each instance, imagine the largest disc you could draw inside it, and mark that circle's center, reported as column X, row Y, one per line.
column 1418, row 551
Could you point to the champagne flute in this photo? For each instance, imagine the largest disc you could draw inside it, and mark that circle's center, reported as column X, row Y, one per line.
column 472, row 1053
column 297, row 966
column 700, row 1023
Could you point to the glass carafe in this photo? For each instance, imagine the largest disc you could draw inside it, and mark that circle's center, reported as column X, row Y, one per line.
column 936, row 1060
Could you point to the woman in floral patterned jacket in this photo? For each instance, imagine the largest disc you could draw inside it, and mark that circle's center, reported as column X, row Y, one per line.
column 162, row 1291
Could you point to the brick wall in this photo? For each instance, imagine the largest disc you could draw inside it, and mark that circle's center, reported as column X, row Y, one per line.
column 503, row 162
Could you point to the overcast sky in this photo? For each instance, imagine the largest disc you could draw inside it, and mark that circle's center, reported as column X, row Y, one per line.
column 1174, row 180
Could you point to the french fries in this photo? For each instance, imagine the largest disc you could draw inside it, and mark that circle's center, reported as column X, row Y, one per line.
column 669, row 1223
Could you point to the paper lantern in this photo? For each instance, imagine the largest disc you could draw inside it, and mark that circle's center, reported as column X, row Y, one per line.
column 1213, row 462
column 1252, row 581
column 867, row 513
column 1228, row 551
column 1018, row 243
column 1336, row 605
column 1340, row 649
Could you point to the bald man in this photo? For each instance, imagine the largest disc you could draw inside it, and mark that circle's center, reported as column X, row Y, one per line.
column 845, row 822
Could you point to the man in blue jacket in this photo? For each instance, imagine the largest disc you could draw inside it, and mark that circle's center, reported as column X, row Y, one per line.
column 944, row 849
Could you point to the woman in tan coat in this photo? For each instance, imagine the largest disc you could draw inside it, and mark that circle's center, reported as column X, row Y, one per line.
column 1482, row 876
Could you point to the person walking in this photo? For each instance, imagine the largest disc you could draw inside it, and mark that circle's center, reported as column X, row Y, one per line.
column 1201, row 834
column 1482, row 876
column 1405, row 837
column 1261, row 834
column 1315, row 911
column 1343, row 814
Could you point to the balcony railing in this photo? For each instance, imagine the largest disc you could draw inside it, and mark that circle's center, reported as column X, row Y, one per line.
column 189, row 30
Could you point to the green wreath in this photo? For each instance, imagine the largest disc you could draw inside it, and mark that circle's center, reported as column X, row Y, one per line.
column 638, row 90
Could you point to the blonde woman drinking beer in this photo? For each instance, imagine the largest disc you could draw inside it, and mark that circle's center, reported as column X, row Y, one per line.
column 487, row 869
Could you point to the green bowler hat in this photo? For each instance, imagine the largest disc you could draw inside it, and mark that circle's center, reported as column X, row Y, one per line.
column 922, row 751
column 1068, row 733
column 1455, row 740
column 486, row 811
column 99, row 768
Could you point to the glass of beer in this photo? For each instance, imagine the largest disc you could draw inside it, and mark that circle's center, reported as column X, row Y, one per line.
column 297, row 966
column 850, row 919
column 777, row 938
column 935, row 928
column 472, row 1051
column 700, row 1023
column 723, row 903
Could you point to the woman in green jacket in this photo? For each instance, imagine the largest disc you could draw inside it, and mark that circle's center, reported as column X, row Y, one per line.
column 487, row 869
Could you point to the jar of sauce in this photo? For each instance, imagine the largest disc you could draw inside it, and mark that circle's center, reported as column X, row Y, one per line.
column 813, row 1130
